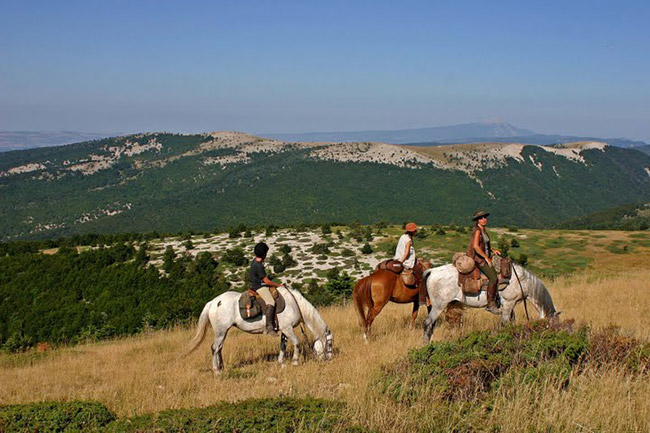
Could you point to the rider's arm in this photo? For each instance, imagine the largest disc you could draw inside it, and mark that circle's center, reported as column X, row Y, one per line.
column 268, row 282
column 406, row 251
column 477, row 247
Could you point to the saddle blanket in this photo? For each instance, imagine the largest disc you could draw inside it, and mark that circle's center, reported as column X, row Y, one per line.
column 250, row 308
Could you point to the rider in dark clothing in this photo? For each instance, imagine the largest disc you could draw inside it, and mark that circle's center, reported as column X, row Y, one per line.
column 262, row 284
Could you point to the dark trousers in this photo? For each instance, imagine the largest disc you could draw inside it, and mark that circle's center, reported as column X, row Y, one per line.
column 493, row 280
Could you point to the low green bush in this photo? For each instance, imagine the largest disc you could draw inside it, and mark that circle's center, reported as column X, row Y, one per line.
column 55, row 417
column 473, row 367
column 254, row 415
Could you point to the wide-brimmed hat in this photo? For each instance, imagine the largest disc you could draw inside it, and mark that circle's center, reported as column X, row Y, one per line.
column 480, row 214
column 410, row 227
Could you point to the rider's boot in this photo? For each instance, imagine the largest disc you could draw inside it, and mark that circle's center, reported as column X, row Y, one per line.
column 269, row 329
column 492, row 305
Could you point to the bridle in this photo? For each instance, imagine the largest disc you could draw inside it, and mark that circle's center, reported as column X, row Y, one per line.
column 329, row 344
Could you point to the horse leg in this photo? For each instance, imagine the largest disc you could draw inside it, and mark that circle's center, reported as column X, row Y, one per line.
column 430, row 323
column 217, row 345
column 372, row 313
column 507, row 313
column 283, row 348
column 296, row 344
column 414, row 314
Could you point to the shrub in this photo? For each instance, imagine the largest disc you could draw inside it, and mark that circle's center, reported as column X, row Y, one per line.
column 522, row 259
column 168, row 258
column 320, row 249
column 367, row 249
column 347, row 252
column 339, row 283
column 235, row 256
column 504, row 246
column 254, row 415
column 55, row 416
column 514, row 243
column 484, row 364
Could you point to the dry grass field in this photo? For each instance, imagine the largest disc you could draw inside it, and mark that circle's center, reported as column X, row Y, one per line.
column 146, row 373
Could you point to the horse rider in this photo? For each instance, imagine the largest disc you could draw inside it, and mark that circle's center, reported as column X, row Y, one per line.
column 405, row 254
column 480, row 250
column 262, row 285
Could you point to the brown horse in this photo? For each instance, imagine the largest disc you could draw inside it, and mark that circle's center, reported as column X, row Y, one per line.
column 373, row 292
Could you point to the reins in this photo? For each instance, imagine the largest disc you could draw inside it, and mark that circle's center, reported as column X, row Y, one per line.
column 522, row 292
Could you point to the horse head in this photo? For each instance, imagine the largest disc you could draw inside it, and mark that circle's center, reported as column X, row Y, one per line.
column 324, row 346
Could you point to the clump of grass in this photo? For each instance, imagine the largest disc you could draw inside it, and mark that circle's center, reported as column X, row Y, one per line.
column 55, row 416
column 254, row 415
column 475, row 366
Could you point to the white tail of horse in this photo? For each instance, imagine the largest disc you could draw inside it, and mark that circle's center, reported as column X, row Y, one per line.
column 204, row 321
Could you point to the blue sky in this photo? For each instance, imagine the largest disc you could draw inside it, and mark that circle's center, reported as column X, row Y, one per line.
column 578, row 67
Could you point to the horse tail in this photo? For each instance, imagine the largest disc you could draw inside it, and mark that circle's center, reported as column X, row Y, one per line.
column 362, row 296
column 204, row 321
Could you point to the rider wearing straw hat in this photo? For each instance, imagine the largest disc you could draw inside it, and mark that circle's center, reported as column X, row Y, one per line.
column 480, row 250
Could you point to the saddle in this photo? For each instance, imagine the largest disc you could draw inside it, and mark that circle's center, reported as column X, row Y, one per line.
column 473, row 282
column 250, row 307
column 410, row 277
column 391, row 265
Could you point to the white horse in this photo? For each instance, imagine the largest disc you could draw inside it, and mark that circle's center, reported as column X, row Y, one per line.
column 223, row 313
column 442, row 287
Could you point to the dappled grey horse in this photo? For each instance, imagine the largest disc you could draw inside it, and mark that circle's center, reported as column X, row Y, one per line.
column 223, row 313
column 442, row 287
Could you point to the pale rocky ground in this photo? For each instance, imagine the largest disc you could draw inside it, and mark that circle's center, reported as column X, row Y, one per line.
column 310, row 265
column 469, row 158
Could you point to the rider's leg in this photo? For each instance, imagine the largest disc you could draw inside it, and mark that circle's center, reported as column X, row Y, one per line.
column 489, row 272
column 269, row 310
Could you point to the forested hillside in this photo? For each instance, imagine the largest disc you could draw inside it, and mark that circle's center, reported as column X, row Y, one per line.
column 171, row 183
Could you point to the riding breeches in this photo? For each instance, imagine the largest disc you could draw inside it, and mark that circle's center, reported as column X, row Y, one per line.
column 265, row 293
column 493, row 279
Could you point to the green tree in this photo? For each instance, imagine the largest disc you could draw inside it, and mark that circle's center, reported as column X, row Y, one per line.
column 235, row 256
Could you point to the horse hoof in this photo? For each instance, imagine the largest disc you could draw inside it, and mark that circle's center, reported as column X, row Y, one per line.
column 295, row 363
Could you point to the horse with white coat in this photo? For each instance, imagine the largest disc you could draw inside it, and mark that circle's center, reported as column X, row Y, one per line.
column 443, row 289
column 222, row 313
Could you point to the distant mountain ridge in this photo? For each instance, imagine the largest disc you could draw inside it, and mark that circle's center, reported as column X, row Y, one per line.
column 542, row 139
column 432, row 136
column 404, row 136
column 171, row 182
column 476, row 132
column 17, row 140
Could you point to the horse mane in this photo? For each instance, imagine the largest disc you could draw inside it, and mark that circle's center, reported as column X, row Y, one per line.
column 310, row 315
column 537, row 291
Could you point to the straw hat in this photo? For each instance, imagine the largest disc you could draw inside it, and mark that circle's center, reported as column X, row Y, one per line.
column 410, row 227
column 480, row 214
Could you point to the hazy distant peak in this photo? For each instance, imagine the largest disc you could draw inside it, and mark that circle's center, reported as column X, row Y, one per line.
column 403, row 136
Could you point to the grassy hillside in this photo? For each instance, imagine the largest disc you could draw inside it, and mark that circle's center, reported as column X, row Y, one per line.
column 172, row 183
column 626, row 217
column 71, row 293
column 144, row 375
